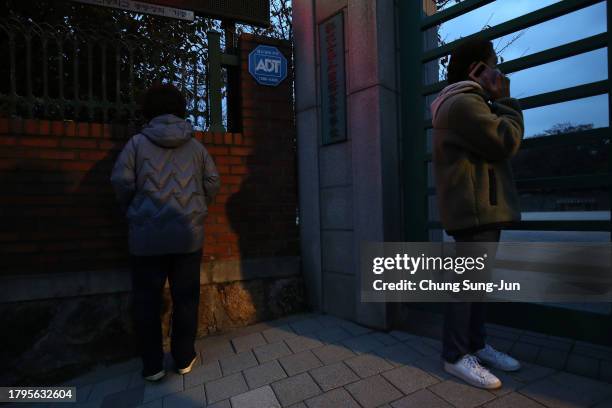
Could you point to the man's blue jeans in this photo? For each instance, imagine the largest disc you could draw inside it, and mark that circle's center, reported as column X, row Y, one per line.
column 149, row 275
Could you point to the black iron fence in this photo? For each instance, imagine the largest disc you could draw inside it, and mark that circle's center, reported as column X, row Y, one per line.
column 63, row 72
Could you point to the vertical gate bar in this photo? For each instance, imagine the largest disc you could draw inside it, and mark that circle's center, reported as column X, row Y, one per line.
column 60, row 74
column 75, row 68
column 103, row 81
column 413, row 135
column 45, row 75
column 118, row 80
column 206, row 104
column 90, row 110
column 29, row 93
column 215, row 81
column 608, row 28
column 131, row 80
column 12, row 74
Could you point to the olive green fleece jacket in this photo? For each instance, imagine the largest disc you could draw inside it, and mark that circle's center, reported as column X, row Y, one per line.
column 473, row 141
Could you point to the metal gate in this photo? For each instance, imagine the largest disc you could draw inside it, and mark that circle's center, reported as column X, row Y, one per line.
column 417, row 17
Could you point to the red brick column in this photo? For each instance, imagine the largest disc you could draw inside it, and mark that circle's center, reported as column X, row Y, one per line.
column 263, row 211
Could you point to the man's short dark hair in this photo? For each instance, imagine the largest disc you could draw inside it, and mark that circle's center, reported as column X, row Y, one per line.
column 473, row 50
column 161, row 99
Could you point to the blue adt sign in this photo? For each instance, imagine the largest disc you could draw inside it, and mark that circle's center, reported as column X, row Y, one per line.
column 267, row 65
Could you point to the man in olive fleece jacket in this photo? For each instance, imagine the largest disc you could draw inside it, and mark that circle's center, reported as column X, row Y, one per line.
column 472, row 144
column 477, row 128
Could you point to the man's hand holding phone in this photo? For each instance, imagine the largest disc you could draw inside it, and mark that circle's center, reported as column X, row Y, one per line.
column 496, row 84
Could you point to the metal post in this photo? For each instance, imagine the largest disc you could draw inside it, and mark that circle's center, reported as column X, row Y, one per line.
column 233, row 78
column 214, row 81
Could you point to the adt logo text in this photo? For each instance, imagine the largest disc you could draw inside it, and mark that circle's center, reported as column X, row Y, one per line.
column 267, row 65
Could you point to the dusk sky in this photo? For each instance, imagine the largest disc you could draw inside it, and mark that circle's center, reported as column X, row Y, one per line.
column 565, row 73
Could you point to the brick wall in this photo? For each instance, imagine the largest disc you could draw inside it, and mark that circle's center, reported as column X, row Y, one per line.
column 58, row 211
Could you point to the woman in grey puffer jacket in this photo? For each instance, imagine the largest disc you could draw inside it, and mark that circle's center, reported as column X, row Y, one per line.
column 164, row 179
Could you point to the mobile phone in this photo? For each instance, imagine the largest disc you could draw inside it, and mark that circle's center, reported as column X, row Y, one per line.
column 483, row 74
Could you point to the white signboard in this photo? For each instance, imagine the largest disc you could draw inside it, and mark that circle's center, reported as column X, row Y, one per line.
column 146, row 8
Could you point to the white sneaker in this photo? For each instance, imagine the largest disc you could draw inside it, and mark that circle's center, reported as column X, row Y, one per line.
column 187, row 369
column 469, row 370
column 156, row 377
column 497, row 359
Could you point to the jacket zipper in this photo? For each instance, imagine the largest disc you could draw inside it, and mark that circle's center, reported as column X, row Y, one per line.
column 492, row 187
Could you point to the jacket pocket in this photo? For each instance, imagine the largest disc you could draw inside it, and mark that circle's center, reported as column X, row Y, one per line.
column 492, row 187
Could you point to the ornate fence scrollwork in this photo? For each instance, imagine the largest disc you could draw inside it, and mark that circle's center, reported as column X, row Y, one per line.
column 71, row 73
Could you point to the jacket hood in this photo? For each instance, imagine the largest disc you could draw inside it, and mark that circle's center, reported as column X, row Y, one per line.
column 451, row 90
column 168, row 131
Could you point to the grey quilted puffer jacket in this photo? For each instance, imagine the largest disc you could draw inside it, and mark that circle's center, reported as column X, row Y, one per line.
column 164, row 179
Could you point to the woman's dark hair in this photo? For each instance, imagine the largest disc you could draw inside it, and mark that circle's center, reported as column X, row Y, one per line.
column 161, row 99
column 473, row 50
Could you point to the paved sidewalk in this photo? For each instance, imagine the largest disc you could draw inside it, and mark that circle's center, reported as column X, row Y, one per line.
column 308, row 361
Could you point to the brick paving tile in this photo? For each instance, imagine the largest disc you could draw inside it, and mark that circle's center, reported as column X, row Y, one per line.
column 127, row 398
column 367, row 365
column 546, row 342
column 301, row 343
column 330, row 321
column 237, row 362
column 264, row 374
column 525, row 352
column 363, row 343
column 216, row 351
column 582, row 365
column 271, row 351
column 333, row 335
column 373, row 391
column 409, row 379
column 300, row 362
column 247, row 342
column 421, row 399
column 202, row 374
column 276, row 334
column 191, row 398
column 307, row 326
column 596, row 389
column 509, row 383
column 151, row 404
column 354, row 328
column 335, row 398
column 513, row 400
column 423, row 348
column 552, row 358
column 385, row 338
column 554, row 395
column 295, row 389
column 110, row 386
column 333, row 376
column 433, row 366
column 460, row 394
column 221, row 404
column 402, row 335
column 398, row 354
column 531, row 372
column 258, row 398
column 225, row 387
column 171, row 383
column 332, row 353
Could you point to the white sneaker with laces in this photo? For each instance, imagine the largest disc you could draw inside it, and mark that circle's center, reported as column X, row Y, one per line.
column 187, row 369
column 497, row 359
column 156, row 377
column 469, row 370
